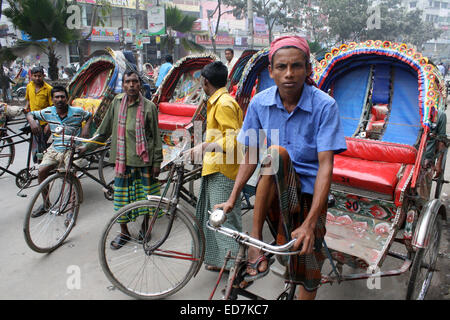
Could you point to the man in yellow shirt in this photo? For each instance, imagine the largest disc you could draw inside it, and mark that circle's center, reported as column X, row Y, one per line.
column 220, row 162
column 39, row 97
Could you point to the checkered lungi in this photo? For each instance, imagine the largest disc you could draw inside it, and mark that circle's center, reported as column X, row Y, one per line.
column 287, row 212
column 215, row 189
column 134, row 186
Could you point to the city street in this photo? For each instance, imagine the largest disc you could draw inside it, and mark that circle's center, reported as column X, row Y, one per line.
column 25, row 274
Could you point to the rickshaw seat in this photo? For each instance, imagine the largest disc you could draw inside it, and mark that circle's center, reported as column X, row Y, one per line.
column 372, row 165
column 368, row 168
column 177, row 109
column 174, row 115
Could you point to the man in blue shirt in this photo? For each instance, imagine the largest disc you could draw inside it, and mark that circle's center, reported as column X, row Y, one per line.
column 61, row 114
column 302, row 127
column 164, row 70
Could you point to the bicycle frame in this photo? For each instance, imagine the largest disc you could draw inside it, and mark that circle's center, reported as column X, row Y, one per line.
column 72, row 165
column 179, row 192
column 15, row 143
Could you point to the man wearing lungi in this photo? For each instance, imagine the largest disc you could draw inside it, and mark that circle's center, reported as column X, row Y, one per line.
column 220, row 162
column 303, row 133
column 136, row 149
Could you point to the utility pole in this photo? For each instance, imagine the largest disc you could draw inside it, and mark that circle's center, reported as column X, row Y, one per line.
column 138, row 51
column 250, row 23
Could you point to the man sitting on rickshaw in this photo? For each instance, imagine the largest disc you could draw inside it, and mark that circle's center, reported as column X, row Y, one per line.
column 293, row 195
column 61, row 114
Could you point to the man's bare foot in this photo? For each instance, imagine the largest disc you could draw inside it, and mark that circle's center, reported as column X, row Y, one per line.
column 256, row 262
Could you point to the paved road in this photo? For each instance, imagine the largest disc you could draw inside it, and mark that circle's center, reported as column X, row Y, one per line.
column 25, row 274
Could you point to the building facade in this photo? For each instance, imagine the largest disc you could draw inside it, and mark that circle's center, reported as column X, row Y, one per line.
column 437, row 12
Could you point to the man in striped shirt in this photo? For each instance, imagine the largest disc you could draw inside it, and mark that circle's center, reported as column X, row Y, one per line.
column 61, row 114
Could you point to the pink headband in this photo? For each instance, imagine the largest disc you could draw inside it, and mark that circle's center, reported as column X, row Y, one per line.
column 289, row 41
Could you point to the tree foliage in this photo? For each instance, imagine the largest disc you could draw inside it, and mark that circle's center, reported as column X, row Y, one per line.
column 43, row 19
column 274, row 12
column 329, row 22
column 350, row 20
column 176, row 20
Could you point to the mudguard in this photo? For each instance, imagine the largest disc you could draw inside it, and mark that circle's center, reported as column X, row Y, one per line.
column 431, row 211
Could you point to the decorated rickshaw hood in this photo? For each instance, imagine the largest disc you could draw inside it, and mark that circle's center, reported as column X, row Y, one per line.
column 181, row 66
column 430, row 83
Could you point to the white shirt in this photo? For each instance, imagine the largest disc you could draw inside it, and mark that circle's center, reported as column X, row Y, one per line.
column 230, row 64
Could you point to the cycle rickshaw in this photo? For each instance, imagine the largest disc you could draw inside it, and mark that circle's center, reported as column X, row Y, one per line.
column 93, row 88
column 389, row 97
column 238, row 69
column 9, row 138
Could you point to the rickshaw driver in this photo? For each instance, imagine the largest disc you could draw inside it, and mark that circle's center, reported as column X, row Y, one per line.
column 308, row 123
column 70, row 117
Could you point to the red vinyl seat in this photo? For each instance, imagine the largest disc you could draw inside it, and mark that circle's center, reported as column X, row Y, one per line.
column 373, row 165
column 175, row 115
column 365, row 174
column 177, row 109
column 172, row 123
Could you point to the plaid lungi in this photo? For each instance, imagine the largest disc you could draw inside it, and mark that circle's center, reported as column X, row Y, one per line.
column 287, row 212
column 215, row 189
column 134, row 186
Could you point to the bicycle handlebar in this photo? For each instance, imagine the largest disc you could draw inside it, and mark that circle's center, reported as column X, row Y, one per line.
column 59, row 133
column 215, row 224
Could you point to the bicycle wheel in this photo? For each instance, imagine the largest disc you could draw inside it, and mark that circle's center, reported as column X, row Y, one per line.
column 6, row 154
column 48, row 231
column 157, row 274
column 106, row 172
column 424, row 265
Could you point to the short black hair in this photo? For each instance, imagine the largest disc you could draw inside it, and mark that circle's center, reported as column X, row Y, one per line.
column 130, row 72
column 229, row 49
column 37, row 70
column 59, row 89
column 169, row 58
column 216, row 73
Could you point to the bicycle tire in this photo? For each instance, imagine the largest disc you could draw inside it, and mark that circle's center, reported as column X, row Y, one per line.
column 105, row 169
column 183, row 250
column 6, row 154
column 418, row 287
column 46, row 233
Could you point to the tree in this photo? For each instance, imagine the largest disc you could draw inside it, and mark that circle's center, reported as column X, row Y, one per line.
column 43, row 20
column 350, row 20
column 102, row 8
column 177, row 21
column 274, row 12
column 219, row 15
column 6, row 55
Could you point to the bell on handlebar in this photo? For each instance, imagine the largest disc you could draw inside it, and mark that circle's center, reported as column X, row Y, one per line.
column 217, row 218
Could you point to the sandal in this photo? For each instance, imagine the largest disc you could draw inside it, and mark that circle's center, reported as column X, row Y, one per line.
column 255, row 266
column 41, row 210
column 119, row 241
column 142, row 233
